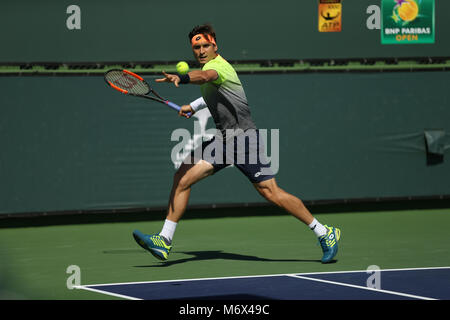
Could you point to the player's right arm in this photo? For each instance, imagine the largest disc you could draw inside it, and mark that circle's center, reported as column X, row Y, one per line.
column 189, row 109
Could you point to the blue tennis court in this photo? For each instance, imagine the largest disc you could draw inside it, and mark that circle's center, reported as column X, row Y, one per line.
column 388, row 284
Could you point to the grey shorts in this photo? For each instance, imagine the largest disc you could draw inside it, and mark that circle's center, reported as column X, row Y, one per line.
column 245, row 151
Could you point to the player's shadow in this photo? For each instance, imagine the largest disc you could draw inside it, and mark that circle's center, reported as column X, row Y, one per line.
column 215, row 255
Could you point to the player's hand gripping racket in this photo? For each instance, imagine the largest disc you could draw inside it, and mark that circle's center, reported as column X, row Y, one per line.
column 130, row 83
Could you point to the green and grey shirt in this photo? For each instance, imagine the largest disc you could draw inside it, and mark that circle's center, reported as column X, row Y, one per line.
column 225, row 98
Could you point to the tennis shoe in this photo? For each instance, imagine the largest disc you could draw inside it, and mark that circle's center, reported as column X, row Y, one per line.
column 329, row 243
column 154, row 243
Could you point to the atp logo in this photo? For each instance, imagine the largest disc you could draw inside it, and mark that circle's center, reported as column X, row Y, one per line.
column 328, row 16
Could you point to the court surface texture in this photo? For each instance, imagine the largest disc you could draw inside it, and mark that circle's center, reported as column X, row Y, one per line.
column 383, row 255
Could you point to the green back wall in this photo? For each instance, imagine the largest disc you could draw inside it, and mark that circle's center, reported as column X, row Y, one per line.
column 72, row 143
column 142, row 30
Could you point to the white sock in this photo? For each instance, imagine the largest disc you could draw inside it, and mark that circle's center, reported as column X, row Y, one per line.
column 318, row 228
column 168, row 230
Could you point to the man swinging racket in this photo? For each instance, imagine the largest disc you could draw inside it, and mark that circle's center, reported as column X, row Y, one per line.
column 224, row 96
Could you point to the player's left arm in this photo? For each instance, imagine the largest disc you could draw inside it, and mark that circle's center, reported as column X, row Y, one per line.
column 195, row 77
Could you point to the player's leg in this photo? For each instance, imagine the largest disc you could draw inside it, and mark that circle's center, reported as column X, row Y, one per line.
column 202, row 163
column 261, row 175
column 328, row 236
column 186, row 176
column 251, row 160
column 160, row 244
column 189, row 173
column 274, row 194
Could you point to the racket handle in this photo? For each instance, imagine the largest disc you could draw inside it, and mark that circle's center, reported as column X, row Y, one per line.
column 175, row 106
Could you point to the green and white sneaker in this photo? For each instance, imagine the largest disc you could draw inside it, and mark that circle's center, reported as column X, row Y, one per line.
column 329, row 243
column 154, row 243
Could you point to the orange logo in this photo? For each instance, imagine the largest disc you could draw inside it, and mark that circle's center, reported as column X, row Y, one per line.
column 330, row 16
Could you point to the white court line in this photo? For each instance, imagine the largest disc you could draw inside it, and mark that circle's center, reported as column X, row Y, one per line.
column 184, row 280
column 400, row 269
column 296, row 275
column 257, row 276
column 361, row 287
column 106, row 292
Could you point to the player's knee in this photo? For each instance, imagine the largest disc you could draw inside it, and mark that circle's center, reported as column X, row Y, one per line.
column 277, row 197
column 180, row 180
column 270, row 194
column 184, row 184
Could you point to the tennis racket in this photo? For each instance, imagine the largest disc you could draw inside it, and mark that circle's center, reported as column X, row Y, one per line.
column 130, row 83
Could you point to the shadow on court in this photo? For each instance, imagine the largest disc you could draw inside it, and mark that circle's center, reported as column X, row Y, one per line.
column 215, row 255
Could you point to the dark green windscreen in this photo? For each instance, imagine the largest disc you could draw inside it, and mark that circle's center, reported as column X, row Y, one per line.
column 72, row 143
column 138, row 30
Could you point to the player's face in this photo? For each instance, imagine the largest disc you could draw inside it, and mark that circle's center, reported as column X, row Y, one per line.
column 204, row 51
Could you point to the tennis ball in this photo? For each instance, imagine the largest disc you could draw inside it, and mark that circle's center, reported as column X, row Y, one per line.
column 182, row 67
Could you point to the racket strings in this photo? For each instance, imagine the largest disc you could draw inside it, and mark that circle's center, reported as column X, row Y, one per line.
column 127, row 82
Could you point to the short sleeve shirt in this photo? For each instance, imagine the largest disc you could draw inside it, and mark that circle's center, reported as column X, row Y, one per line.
column 226, row 98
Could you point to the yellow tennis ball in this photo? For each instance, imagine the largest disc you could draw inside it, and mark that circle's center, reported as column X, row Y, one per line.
column 182, row 67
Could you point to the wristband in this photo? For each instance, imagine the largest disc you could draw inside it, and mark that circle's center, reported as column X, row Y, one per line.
column 198, row 104
column 184, row 78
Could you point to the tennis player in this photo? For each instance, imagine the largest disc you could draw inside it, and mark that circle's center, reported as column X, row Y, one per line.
column 238, row 139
